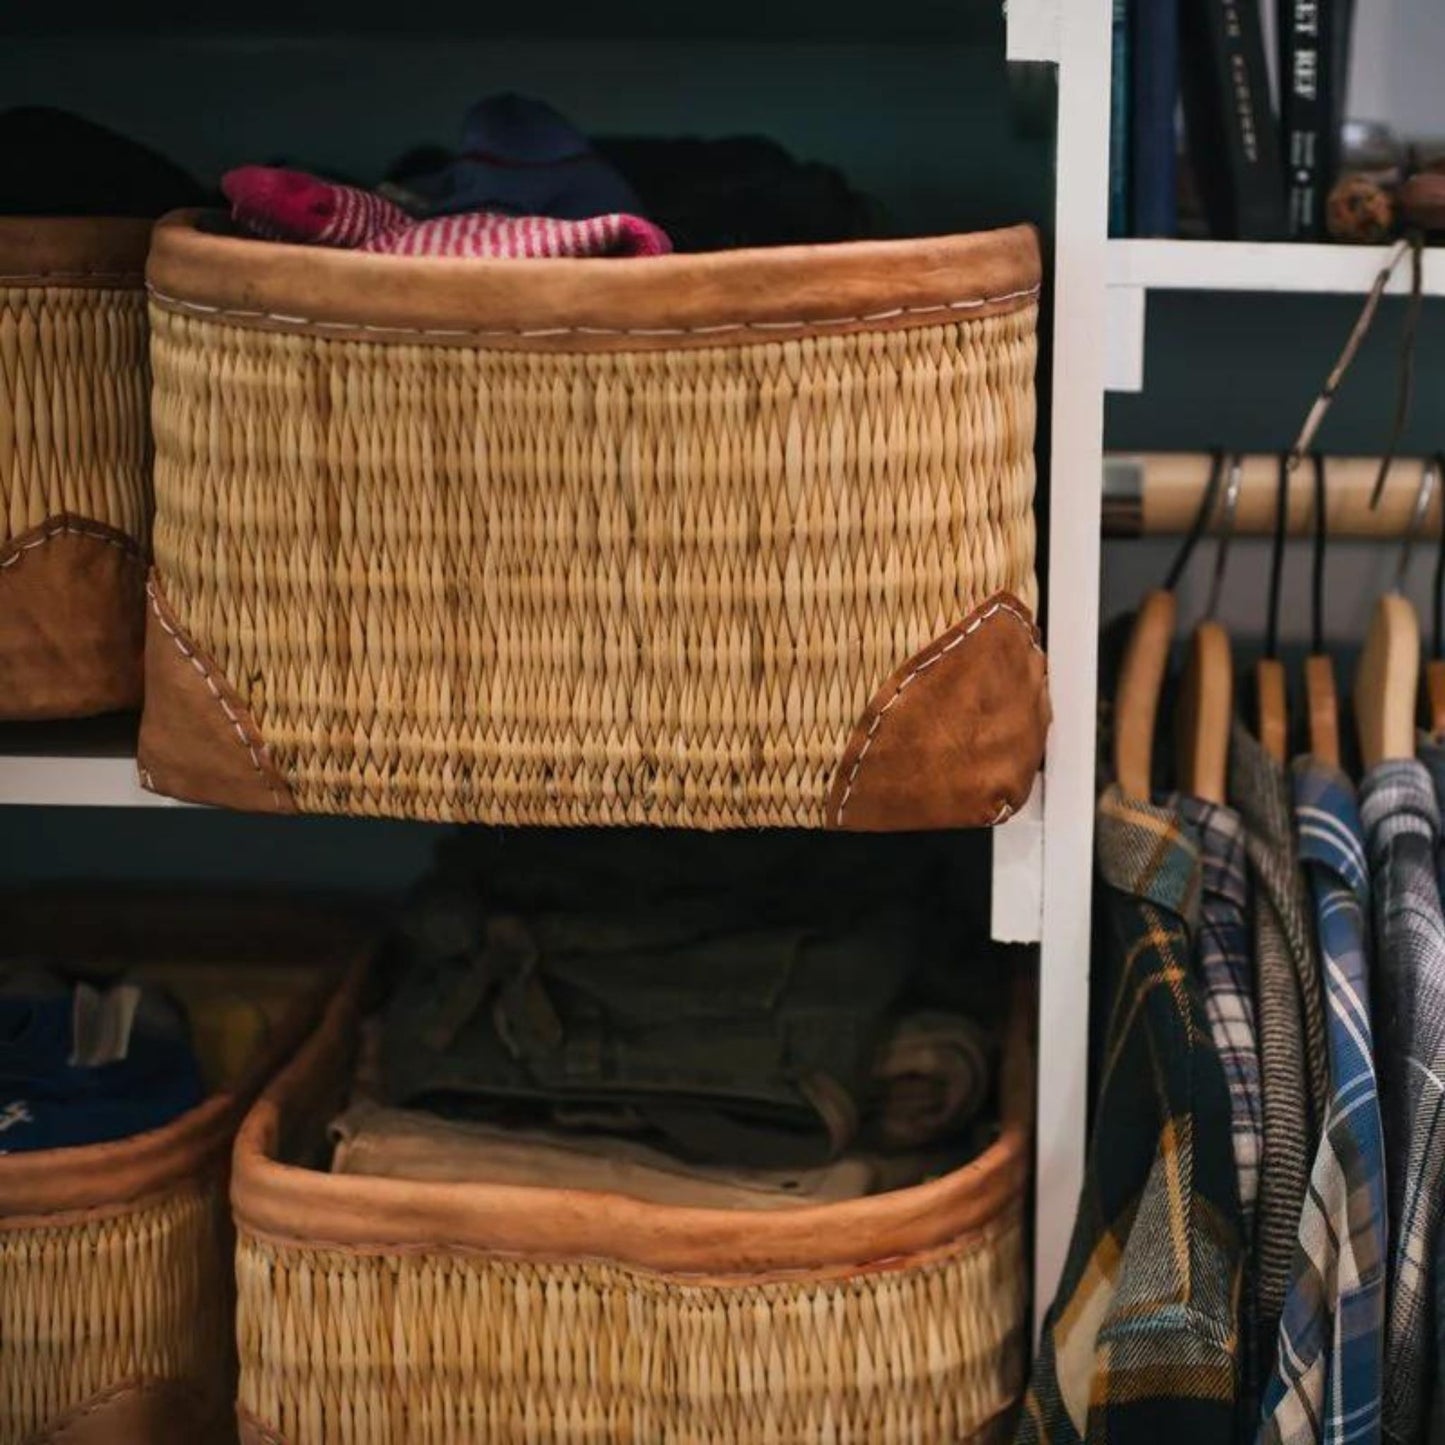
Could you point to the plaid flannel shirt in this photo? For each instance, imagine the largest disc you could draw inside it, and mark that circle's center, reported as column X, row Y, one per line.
column 1226, row 965
column 1402, row 823
column 1142, row 1340
column 1431, row 752
column 1293, row 1052
column 1326, row 1385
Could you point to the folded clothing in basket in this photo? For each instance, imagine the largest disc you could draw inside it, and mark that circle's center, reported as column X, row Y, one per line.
column 412, row 1144
column 382, row 1143
column 741, row 191
column 81, row 1065
column 762, row 1019
column 518, row 156
column 286, row 205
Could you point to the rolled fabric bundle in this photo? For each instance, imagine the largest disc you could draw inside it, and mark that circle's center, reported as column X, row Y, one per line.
column 931, row 1077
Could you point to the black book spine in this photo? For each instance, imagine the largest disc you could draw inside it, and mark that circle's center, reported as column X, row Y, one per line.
column 1342, row 19
column 1233, row 137
column 1308, row 105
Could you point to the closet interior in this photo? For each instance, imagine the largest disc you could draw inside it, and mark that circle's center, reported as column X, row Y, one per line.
column 602, row 1120
column 488, row 1108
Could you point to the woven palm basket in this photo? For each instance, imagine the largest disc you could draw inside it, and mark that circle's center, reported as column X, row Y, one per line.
column 116, row 1286
column 700, row 541
column 75, row 496
column 383, row 1312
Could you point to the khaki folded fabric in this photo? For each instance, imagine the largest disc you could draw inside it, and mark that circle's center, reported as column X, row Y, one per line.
column 409, row 1144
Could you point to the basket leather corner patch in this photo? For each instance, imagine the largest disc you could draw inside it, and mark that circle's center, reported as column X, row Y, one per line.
column 70, row 620
column 198, row 740
column 955, row 737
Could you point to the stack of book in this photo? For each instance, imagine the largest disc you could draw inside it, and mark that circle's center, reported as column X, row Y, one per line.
column 1261, row 87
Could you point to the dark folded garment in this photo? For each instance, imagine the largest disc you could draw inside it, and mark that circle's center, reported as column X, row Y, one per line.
column 715, row 195
column 58, row 164
column 734, row 1044
column 765, row 999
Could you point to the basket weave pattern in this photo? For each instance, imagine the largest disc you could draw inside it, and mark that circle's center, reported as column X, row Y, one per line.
column 555, row 587
column 130, row 1295
column 74, row 408
column 440, row 1348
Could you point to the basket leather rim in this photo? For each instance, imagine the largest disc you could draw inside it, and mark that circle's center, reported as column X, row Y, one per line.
column 44, row 1183
column 96, row 252
column 718, row 298
column 309, row 1209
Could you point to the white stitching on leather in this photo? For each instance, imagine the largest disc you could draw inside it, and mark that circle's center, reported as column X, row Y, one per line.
column 67, row 529
column 972, row 304
column 968, row 630
column 256, row 754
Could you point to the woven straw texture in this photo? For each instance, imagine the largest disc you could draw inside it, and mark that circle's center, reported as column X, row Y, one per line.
column 555, row 587
column 74, row 408
column 441, row 1349
column 138, row 1293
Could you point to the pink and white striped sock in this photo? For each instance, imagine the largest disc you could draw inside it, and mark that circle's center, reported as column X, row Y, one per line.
column 282, row 205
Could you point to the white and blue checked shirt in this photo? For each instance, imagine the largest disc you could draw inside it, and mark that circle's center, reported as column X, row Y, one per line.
column 1327, row 1379
column 1226, row 965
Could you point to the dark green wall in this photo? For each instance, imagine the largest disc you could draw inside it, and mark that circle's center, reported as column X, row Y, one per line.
column 1241, row 371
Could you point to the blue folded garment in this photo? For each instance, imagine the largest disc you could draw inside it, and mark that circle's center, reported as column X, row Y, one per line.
column 82, row 1066
column 522, row 157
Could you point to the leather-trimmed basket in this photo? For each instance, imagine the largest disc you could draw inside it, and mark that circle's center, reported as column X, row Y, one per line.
column 741, row 539
column 75, row 465
column 116, row 1259
column 386, row 1312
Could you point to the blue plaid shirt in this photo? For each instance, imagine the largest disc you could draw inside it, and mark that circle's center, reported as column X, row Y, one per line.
column 1327, row 1379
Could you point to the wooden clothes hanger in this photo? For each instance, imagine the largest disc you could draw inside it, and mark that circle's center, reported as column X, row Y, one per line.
column 1271, row 691
column 1136, row 700
column 1386, row 680
column 1146, row 661
column 1206, row 703
column 1206, row 692
column 1322, row 702
column 1388, row 677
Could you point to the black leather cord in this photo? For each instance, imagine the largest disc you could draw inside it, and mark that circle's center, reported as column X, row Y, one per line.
column 1200, row 524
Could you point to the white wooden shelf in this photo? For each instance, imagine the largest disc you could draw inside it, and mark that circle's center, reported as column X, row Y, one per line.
column 1035, row 30
column 92, row 765
column 1135, row 268
column 73, row 765
column 1261, row 266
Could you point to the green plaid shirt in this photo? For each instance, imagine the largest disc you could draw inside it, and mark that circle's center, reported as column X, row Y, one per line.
column 1142, row 1341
